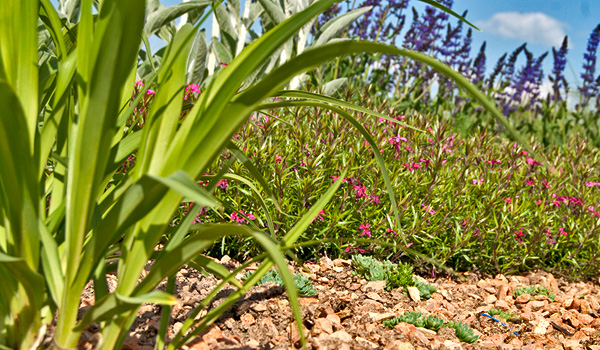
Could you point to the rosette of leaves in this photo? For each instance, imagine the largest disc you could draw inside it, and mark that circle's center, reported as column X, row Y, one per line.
column 414, row 317
column 463, row 332
column 534, row 290
column 303, row 284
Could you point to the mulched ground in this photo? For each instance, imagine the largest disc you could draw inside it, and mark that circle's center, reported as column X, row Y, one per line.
column 348, row 313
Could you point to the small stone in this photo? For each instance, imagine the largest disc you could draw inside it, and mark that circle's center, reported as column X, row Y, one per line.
column 335, row 320
column 374, row 296
column 414, row 293
column 585, row 307
column 490, row 299
column 428, row 333
column 322, row 325
column 575, row 304
column 542, row 327
column 355, row 286
column 523, row 299
column 585, row 319
column 253, row 343
column 502, row 305
column 259, row 307
column 502, row 292
column 538, row 304
column 247, row 320
column 338, row 269
column 450, row 345
column 399, row 345
column 364, row 342
column 376, row 286
column 342, row 335
column 379, row 317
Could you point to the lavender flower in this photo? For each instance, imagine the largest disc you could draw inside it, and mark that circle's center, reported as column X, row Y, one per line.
column 478, row 70
column 557, row 78
column 497, row 70
column 589, row 66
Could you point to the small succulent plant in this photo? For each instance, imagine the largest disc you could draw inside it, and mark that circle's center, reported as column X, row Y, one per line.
column 505, row 315
column 535, row 290
column 395, row 275
column 413, row 317
column 303, row 283
column 463, row 332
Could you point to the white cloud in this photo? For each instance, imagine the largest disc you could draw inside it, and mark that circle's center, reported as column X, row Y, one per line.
column 533, row 27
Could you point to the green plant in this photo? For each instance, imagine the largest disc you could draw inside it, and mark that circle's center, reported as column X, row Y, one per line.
column 395, row 275
column 413, row 317
column 303, row 284
column 505, row 315
column 534, row 290
column 463, row 332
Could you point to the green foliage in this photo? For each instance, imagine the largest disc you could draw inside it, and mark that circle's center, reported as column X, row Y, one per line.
column 534, row 290
column 505, row 315
column 395, row 275
column 463, row 332
column 303, row 284
column 413, row 317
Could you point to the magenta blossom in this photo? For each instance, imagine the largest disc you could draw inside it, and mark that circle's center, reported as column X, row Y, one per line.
column 519, row 235
column 477, row 181
column 562, row 231
column 361, row 191
column 375, row 199
column 365, row 229
column 277, row 158
column 592, row 184
column 533, row 162
column 222, row 184
column 319, row 216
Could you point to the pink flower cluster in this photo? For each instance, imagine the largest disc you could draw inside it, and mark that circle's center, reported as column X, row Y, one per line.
column 365, row 229
column 519, row 235
column 240, row 218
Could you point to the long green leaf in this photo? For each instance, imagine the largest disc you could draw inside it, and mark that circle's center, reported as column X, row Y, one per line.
column 338, row 24
column 159, row 18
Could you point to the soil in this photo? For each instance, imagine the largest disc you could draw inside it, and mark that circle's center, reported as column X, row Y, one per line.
column 348, row 312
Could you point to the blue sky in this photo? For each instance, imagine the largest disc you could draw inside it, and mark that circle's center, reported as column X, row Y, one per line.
column 506, row 24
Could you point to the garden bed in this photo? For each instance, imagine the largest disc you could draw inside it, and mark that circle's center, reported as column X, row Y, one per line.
column 348, row 311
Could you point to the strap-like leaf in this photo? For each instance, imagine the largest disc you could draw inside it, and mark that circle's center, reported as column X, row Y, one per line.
column 159, row 18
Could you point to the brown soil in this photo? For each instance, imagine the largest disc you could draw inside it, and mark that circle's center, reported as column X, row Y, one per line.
column 348, row 314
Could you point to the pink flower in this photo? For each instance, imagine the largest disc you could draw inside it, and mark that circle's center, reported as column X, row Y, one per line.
column 428, row 209
column 477, row 181
column 375, row 199
column 361, row 191
column 277, row 158
column 365, row 229
column 139, row 84
column 519, row 235
column 493, row 161
column 150, row 92
column 344, row 180
column 424, row 160
column 389, row 230
column 592, row 184
column 319, row 216
column 533, row 162
column 530, row 182
column 192, row 88
column 508, row 200
column 562, row 231
column 225, row 64
column 222, row 184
